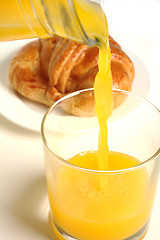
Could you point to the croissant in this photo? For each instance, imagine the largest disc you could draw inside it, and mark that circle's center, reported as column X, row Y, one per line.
column 45, row 70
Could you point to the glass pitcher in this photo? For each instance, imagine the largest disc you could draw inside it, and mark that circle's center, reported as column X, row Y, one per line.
column 74, row 19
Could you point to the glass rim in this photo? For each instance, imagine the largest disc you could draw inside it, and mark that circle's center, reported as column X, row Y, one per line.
column 68, row 164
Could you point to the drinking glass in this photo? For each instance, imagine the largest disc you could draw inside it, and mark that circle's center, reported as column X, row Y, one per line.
column 91, row 204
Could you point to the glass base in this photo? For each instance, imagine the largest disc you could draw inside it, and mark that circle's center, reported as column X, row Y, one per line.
column 61, row 234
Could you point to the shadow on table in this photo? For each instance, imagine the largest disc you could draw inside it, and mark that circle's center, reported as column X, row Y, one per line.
column 31, row 208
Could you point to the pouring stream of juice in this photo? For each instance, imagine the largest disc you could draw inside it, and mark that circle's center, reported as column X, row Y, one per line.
column 103, row 107
column 97, row 28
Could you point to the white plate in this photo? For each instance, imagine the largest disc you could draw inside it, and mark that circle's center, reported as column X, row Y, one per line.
column 29, row 114
column 15, row 107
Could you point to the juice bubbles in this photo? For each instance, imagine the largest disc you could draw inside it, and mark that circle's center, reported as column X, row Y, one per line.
column 86, row 210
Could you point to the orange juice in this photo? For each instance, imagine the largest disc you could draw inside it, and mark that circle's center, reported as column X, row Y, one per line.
column 13, row 24
column 86, row 211
column 103, row 97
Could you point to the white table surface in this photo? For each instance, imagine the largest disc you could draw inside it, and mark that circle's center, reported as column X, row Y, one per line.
column 23, row 195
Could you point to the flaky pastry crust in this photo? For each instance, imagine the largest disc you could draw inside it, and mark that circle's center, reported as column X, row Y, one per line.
column 47, row 69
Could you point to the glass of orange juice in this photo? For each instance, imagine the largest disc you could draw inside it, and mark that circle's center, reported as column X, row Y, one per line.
column 87, row 203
